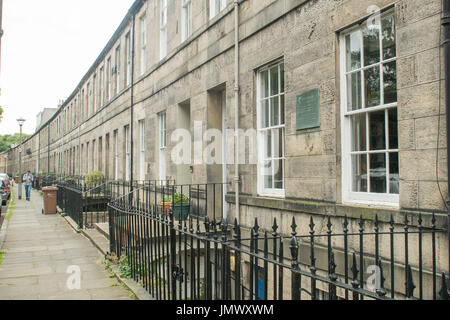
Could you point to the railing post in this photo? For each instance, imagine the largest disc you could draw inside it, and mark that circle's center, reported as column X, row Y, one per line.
column 208, row 282
column 275, row 237
column 410, row 286
column 225, row 261
column 312, row 267
column 173, row 248
column 296, row 293
column 333, row 277
column 237, row 261
column 345, row 229
column 355, row 282
column 444, row 293
column 381, row 291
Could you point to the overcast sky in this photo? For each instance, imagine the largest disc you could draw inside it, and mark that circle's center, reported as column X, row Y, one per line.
column 47, row 47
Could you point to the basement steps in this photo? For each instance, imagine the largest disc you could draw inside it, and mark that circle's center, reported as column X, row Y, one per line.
column 99, row 236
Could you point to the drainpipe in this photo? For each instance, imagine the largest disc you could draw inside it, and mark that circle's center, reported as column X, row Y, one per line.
column 48, row 149
column 39, row 152
column 79, row 132
column 446, row 45
column 236, row 107
column 132, row 102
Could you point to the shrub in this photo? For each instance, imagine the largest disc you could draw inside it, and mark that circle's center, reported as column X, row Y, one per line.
column 178, row 199
column 93, row 179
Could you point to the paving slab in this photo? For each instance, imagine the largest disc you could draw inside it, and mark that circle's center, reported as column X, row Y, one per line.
column 38, row 253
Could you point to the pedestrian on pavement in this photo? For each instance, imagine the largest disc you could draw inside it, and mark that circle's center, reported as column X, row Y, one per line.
column 28, row 180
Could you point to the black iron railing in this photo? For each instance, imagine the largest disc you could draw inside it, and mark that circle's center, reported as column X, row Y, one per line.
column 199, row 256
column 85, row 203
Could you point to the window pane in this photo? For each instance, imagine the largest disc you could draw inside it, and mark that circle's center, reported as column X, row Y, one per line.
column 264, row 84
column 390, row 82
column 268, row 182
column 354, row 91
column 378, row 173
column 278, row 169
column 282, row 110
column 282, row 77
column 372, row 85
column 377, row 130
column 275, row 111
column 278, row 138
column 268, row 176
column 359, row 176
column 353, row 45
column 371, row 39
column 393, row 129
column 388, row 25
column 393, row 173
column 274, row 84
column 359, row 134
column 265, row 114
column 267, row 144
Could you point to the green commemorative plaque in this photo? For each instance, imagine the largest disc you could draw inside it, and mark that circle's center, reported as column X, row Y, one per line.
column 308, row 109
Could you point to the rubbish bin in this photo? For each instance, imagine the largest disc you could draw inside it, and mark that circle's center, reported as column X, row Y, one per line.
column 50, row 194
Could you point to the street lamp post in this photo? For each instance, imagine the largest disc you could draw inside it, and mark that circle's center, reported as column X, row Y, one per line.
column 20, row 121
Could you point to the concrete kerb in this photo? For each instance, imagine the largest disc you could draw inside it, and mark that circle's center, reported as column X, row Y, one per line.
column 4, row 227
column 131, row 285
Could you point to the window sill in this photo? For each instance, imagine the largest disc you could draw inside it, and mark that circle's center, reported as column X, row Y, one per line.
column 272, row 195
column 382, row 201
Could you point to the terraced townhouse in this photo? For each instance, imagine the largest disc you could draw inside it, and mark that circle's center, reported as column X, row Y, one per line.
column 340, row 107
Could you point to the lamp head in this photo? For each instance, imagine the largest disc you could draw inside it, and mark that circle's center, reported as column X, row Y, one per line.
column 20, row 121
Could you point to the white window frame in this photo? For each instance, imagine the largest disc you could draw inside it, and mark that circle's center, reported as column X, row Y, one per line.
column 262, row 190
column 116, row 155
column 127, row 153
column 89, row 91
column 162, row 29
column 87, row 157
column 142, row 150
column 94, row 93
column 186, row 19
column 162, row 117
column 102, row 86
column 143, row 21
column 128, row 58
column 117, row 68
column 349, row 196
column 108, row 79
column 215, row 7
column 94, row 153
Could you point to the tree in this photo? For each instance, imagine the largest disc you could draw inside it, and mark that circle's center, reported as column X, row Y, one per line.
column 7, row 140
column 1, row 114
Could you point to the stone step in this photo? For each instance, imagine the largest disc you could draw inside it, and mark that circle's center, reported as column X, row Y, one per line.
column 103, row 228
column 98, row 239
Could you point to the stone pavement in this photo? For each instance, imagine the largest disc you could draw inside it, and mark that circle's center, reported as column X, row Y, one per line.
column 37, row 252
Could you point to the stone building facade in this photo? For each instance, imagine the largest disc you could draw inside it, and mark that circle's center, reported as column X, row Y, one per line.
column 344, row 99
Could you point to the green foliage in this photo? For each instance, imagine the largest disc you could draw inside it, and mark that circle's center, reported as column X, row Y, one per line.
column 124, row 267
column 1, row 114
column 93, row 179
column 178, row 199
column 12, row 206
column 7, row 140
